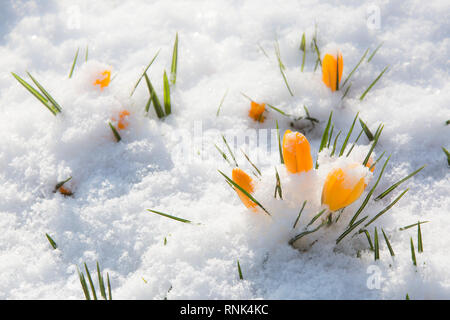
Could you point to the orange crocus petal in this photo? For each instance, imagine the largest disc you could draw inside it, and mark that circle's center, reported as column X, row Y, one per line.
column 337, row 193
column 369, row 164
column 330, row 70
column 256, row 111
column 246, row 183
column 65, row 191
column 296, row 152
column 105, row 80
column 123, row 124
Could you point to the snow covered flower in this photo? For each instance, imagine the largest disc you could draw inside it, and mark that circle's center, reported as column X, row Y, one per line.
column 122, row 123
column 256, row 111
column 331, row 67
column 104, row 79
column 245, row 182
column 296, row 152
column 343, row 186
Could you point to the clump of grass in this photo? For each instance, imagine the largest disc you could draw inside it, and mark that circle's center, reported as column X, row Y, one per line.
column 101, row 284
column 44, row 97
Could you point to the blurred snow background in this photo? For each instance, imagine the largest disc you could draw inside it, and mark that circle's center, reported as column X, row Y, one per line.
column 219, row 50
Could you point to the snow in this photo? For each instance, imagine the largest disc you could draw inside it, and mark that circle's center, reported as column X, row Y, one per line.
column 171, row 165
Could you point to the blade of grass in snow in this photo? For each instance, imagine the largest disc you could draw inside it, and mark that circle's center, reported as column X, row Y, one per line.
column 170, row 216
column 101, row 283
column 356, row 67
column 419, row 239
column 372, row 84
column 315, row 218
column 278, row 186
column 376, row 161
column 375, row 51
column 84, row 285
column 344, row 145
column 144, row 73
column 304, row 233
column 299, row 214
column 167, row 106
column 447, row 154
column 229, row 150
column 73, row 64
column 366, row 130
column 173, row 68
column 91, row 284
column 376, row 245
column 279, row 142
column 387, row 208
column 395, row 185
column 115, row 132
column 388, row 243
column 346, row 91
column 308, row 116
column 282, row 67
column 303, row 48
column 412, row 225
column 36, row 94
column 350, row 229
column 87, row 54
column 109, row 286
column 52, row 242
column 248, row 159
column 60, row 184
column 223, row 155
column 316, row 48
column 413, row 254
column 277, row 110
column 324, row 137
column 221, row 102
column 156, row 104
column 354, row 143
column 374, row 143
column 244, row 192
column 335, row 142
column 263, row 51
column 239, row 271
column 368, row 238
column 45, row 93
column 366, row 200
column 331, row 135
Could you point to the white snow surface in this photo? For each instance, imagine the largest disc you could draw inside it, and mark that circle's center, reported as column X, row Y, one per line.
column 219, row 50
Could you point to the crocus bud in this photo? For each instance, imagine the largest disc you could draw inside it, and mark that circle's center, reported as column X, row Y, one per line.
column 104, row 80
column 245, row 182
column 343, row 187
column 296, row 152
column 256, row 111
column 331, row 67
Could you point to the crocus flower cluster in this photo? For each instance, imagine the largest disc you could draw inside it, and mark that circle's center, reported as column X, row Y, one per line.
column 340, row 189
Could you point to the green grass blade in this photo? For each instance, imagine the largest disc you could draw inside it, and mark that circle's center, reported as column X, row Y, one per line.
column 101, row 283
column 109, row 286
column 331, row 135
column 395, row 185
column 350, row 229
column 344, row 145
column 143, row 73
column 356, row 67
column 282, row 67
column 36, row 94
column 278, row 186
column 412, row 225
column 244, row 192
column 316, row 48
column 324, row 139
column 367, row 198
column 413, row 254
column 115, row 132
column 388, row 243
column 354, row 143
column 248, row 159
column 87, row 54
column 277, row 110
column 299, row 214
column 170, row 216
column 419, row 239
column 173, row 68
column 376, row 245
column 73, row 64
column 335, row 142
column 52, row 101
column 374, row 143
column 303, row 48
column 60, row 184
column 366, row 130
column 240, row 271
column 373, row 83
column 315, row 217
column 84, row 285
column 156, row 104
column 387, row 208
column 305, row 233
column 279, row 143
column 223, row 155
column 229, row 150
column 375, row 51
column 369, row 239
column 167, row 106
column 91, row 284
column 52, row 242
column 221, row 102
